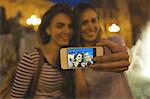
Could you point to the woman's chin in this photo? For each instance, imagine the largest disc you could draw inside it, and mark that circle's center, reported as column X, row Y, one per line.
column 64, row 43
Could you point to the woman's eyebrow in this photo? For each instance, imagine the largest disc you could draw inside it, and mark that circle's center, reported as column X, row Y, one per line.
column 94, row 18
column 60, row 23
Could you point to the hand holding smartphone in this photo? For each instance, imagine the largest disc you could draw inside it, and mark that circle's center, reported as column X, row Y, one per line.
column 79, row 57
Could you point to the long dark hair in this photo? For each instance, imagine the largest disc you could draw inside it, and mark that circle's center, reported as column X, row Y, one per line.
column 43, row 36
column 78, row 11
column 75, row 56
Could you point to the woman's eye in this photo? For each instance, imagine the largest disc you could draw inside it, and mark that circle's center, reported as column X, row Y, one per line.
column 94, row 20
column 60, row 25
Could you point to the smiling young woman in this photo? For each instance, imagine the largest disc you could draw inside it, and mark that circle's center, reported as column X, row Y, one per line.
column 104, row 79
column 54, row 32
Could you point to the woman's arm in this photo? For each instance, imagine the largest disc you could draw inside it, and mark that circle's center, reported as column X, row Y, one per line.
column 23, row 77
column 82, row 90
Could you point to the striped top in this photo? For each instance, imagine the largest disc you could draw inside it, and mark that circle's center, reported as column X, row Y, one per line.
column 50, row 83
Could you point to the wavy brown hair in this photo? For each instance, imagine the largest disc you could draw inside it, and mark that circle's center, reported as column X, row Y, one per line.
column 43, row 36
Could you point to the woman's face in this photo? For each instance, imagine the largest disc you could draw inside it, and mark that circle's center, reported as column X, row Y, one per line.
column 60, row 29
column 79, row 57
column 87, row 57
column 89, row 25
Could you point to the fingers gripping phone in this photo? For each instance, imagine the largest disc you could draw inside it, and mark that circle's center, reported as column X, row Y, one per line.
column 78, row 57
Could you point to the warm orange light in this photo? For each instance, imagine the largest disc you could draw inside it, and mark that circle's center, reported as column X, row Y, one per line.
column 33, row 20
column 114, row 28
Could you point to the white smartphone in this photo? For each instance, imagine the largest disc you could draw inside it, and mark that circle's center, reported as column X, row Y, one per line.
column 78, row 57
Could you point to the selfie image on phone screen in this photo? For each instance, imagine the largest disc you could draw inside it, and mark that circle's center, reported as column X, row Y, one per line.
column 80, row 57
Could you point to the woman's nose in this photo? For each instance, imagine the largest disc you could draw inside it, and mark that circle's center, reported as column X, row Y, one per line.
column 91, row 26
column 67, row 30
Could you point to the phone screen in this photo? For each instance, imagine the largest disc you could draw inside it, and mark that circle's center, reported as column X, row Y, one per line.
column 80, row 57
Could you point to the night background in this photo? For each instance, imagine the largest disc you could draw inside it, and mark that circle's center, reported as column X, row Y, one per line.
column 19, row 20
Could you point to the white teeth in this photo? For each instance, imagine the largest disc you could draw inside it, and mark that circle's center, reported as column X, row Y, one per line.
column 91, row 32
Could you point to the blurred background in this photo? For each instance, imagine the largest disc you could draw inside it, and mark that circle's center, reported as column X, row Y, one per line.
column 19, row 20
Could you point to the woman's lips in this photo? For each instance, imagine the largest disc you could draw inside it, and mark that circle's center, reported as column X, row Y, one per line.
column 65, row 37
